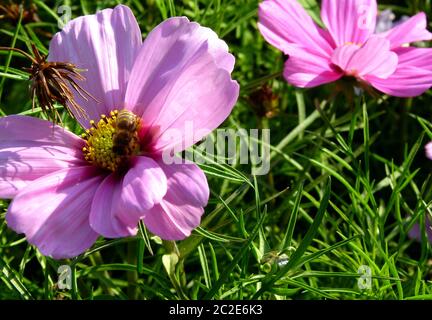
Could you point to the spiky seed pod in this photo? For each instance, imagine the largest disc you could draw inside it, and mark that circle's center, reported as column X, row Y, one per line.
column 52, row 82
column 264, row 102
column 11, row 11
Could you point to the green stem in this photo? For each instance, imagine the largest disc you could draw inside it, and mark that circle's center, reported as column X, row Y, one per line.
column 132, row 276
column 9, row 58
column 301, row 109
column 174, row 268
column 296, row 132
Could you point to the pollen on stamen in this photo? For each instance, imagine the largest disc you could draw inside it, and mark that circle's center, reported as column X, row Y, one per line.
column 101, row 149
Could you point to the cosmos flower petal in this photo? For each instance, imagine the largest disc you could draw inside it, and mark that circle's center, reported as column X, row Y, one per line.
column 412, row 30
column 342, row 55
column 172, row 222
column 287, row 26
column 26, row 157
column 413, row 75
column 18, row 128
column 106, row 209
column 182, row 207
column 105, row 46
column 309, row 70
column 53, row 212
column 373, row 58
column 349, row 21
column 181, row 78
column 144, row 185
column 415, row 232
column 405, row 82
column 188, row 176
column 415, row 57
column 429, row 150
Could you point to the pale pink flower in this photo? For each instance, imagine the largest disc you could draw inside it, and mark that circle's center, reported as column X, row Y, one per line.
column 348, row 46
column 416, row 233
column 428, row 150
column 181, row 73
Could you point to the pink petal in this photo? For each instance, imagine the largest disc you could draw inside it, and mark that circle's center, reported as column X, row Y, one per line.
column 53, row 212
column 287, row 26
column 31, row 148
column 349, row 21
column 309, row 70
column 144, row 186
column 415, row 232
column 415, row 57
column 342, row 55
column 173, row 222
column 413, row 75
column 412, row 30
column 182, row 79
column 106, row 210
column 181, row 209
column 14, row 128
column 105, row 45
column 429, row 150
column 374, row 58
column 120, row 203
column 405, row 82
column 187, row 183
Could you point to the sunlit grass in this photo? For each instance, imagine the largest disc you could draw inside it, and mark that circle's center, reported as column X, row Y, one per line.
column 347, row 183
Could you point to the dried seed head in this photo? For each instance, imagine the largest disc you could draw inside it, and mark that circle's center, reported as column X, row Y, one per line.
column 52, row 82
column 11, row 11
column 264, row 102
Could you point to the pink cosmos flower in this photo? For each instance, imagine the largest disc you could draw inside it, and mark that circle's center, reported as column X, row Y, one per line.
column 348, row 46
column 415, row 232
column 428, row 150
column 68, row 190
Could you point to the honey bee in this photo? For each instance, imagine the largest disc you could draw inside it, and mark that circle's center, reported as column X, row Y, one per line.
column 125, row 138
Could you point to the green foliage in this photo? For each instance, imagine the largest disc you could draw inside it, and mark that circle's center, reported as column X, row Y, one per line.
column 347, row 183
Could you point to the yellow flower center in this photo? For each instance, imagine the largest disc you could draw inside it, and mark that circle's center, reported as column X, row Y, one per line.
column 112, row 141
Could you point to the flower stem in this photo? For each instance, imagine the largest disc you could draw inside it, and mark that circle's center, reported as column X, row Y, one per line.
column 132, row 276
column 25, row 54
column 296, row 132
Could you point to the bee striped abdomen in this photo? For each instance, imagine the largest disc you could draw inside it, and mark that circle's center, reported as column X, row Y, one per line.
column 125, row 136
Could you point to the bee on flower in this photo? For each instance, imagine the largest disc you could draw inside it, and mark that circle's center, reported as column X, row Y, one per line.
column 68, row 190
